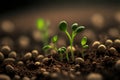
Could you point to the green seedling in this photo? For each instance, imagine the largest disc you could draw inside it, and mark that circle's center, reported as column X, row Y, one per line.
column 42, row 25
column 84, row 45
column 61, row 51
column 53, row 40
column 75, row 30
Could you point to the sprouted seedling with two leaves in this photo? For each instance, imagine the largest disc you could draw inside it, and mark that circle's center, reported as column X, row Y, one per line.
column 75, row 30
column 84, row 45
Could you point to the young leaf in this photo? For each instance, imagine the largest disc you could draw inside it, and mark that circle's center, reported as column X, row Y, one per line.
column 85, row 46
column 63, row 48
column 54, row 39
column 40, row 24
column 79, row 29
column 83, row 41
column 46, row 47
column 74, row 26
column 63, row 26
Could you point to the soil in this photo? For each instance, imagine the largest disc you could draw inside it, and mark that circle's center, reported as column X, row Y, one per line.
column 51, row 68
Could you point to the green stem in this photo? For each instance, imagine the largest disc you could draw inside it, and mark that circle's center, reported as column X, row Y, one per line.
column 67, row 57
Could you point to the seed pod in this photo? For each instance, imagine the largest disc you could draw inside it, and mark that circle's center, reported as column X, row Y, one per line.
column 69, row 48
column 12, row 54
column 27, row 56
column 9, row 68
column 112, row 50
column 79, row 60
column 39, row 57
column 94, row 76
column 20, row 63
column 9, row 60
column 109, row 42
column 5, row 50
column 102, row 48
column 46, row 74
column 117, row 65
column 1, row 56
column 34, row 53
column 26, row 78
column 117, row 42
column 37, row 63
column 96, row 44
column 16, row 77
column 4, row 77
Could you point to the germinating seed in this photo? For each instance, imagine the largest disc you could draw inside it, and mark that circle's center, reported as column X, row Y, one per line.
column 35, row 53
column 9, row 60
column 1, row 56
column 95, row 44
column 79, row 60
column 9, row 68
column 94, row 76
column 5, row 50
column 102, row 47
column 117, row 65
column 12, row 54
column 117, row 42
column 112, row 50
column 108, row 42
column 27, row 56
column 4, row 77
column 37, row 63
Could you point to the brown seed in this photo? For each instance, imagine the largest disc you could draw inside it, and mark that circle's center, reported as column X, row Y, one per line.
column 9, row 60
column 117, row 65
column 42, row 70
column 4, row 77
column 117, row 42
column 57, row 69
column 26, row 78
column 5, row 50
column 33, row 78
column 12, row 54
column 39, row 57
column 109, row 42
column 72, row 70
column 72, row 76
column 20, row 63
column 16, row 77
column 77, row 73
column 37, row 63
column 102, row 47
column 65, row 73
column 27, row 56
column 34, row 53
column 45, row 60
column 54, row 75
column 79, row 60
column 112, row 50
column 96, row 44
column 1, row 56
column 94, row 76
column 9, row 68
column 46, row 73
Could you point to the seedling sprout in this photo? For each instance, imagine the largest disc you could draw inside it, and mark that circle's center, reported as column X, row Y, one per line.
column 75, row 30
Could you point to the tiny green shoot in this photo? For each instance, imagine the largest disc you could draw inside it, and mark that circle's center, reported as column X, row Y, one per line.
column 75, row 30
column 53, row 40
column 61, row 51
column 84, row 45
column 42, row 26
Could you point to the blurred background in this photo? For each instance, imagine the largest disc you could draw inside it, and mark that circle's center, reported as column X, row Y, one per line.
column 101, row 17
